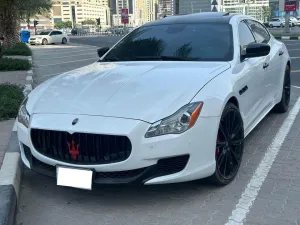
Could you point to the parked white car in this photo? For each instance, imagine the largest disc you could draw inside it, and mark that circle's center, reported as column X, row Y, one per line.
column 176, row 109
column 49, row 37
column 294, row 21
column 279, row 22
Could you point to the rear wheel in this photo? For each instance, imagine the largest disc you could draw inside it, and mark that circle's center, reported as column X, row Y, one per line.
column 45, row 41
column 64, row 41
column 283, row 105
column 271, row 25
column 281, row 25
column 229, row 146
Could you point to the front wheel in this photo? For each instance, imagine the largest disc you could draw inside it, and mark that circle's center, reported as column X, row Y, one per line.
column 229, row 146
column 283, row 105
column 45, row 41
column 271, row 25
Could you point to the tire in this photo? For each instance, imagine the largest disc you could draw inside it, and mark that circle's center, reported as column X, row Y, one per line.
column 229, row 146
column 281, row 25
column 271, row 25
column 64, row 41
column 283, row 105
column 45, row 41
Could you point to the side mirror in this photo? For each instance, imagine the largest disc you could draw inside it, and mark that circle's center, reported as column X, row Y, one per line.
column 256, row 50
column 102, row 51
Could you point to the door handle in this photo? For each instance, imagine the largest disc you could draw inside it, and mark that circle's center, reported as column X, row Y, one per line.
column 280, row 52
column 265, row 65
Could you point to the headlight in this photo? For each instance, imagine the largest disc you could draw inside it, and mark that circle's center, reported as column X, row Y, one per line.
column 23, row 116
column 177, row 123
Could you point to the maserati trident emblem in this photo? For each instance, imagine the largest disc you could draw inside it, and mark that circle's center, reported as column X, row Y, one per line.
column 73, row 150
column 75, row 121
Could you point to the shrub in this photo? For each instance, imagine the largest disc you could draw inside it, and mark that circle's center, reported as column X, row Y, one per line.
column 9, row 64
column 11, row 97
column 18, row 49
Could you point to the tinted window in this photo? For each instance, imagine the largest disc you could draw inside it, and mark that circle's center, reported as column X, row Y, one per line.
column 58, row 32
column 260, row 33
column 203, row 42
column 245, row 35
column 44, row 33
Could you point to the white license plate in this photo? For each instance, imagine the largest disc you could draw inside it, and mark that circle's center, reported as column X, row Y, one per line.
column 76, row 178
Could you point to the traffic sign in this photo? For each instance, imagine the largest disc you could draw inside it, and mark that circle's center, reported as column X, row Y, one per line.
column 124, row 16
column 290, row 5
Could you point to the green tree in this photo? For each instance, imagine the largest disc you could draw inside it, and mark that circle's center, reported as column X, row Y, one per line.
column 88, row 22
column 266, row 13
column 59, row 25
column 12, row 12
column 62, row 24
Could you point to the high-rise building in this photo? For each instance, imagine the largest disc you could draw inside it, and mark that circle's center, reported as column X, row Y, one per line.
column 77, row 11
column 123, row 4
column 165, row 8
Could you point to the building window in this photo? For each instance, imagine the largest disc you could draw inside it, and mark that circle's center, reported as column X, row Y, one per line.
column 65, row 3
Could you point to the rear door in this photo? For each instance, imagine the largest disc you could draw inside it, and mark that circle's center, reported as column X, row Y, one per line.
column 59, row 36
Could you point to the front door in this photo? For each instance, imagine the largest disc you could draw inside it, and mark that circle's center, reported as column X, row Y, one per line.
column 250, row 75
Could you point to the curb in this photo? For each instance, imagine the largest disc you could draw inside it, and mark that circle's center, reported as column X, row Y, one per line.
column 12, row 169
column 287, row 38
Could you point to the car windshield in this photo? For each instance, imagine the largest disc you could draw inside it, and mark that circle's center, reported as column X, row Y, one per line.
column 44, row 33
column 189, row 42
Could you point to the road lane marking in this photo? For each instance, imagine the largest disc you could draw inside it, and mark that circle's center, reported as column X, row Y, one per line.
column 59, row 57
column 250, row 193
column 296, row 49
column 296, row 57
column 295, row 71
column 68, row 62
column 295, row 86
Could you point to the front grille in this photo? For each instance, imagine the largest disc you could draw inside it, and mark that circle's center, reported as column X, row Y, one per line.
column 92, row 148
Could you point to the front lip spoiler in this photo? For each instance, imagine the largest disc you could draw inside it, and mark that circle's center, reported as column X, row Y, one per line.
column 139, row 176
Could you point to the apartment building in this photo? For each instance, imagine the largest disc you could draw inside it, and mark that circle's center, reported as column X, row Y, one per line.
column 247, row 7
column 193, row 6
column 77, row 11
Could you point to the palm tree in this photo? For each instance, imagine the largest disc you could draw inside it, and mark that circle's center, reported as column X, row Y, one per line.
column 13, row 11
column 184, row 51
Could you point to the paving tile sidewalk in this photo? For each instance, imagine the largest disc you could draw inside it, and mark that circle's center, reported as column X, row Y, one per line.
column 15, row 77
column 278, row 201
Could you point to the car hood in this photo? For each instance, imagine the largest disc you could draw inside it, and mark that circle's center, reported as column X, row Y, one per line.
column 146, row 91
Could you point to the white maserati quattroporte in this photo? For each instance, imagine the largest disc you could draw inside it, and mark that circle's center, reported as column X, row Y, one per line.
column 172, row 101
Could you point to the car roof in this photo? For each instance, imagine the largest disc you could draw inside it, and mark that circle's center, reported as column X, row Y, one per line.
column 203, row 17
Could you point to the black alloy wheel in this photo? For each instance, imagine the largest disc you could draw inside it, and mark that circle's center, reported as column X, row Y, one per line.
column 283, row 105
column 229, row 146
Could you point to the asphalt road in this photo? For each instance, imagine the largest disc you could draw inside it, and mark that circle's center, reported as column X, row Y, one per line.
column 192, row 203
column 278, row 30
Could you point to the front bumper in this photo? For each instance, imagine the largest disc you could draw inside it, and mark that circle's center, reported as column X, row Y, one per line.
column 35, row 41
column 158, row 160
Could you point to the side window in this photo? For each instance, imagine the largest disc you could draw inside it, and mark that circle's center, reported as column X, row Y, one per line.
column 58, row 33
column 53, row 33
column 245, row 35
column 260, row 33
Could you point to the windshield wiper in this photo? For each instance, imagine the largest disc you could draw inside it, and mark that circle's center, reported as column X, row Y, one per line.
column 166, row 58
